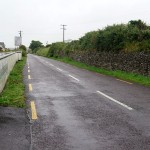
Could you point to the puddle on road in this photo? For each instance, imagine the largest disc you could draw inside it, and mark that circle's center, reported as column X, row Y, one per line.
column 78, row 136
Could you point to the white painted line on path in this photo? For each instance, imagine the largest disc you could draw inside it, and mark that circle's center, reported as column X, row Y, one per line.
column 112, row 99
column 59, row 69
column 74, row 77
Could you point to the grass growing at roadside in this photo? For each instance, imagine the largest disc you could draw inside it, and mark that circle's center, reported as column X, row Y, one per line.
column 13, row 93
column 118, row 74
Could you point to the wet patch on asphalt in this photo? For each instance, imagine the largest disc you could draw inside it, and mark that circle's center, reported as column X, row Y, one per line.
column 14, row 129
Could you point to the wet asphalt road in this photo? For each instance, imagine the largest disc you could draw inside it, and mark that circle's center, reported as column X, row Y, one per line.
column 82, row 110
column 14, row 129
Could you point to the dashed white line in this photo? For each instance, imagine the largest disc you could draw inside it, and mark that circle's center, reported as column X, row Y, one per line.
column 51, row 64
column 59, row 69
column 112, row 99
column 74, row 77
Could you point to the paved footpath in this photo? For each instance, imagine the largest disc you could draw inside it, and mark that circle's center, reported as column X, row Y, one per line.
column 75, row 109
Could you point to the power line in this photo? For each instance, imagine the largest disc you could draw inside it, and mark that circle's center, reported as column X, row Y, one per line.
column 63, row 28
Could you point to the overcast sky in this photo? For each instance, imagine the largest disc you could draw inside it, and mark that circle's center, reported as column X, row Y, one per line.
column 41, row 19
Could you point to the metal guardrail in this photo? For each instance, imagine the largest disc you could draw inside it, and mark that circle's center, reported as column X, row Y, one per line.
column 7, row 62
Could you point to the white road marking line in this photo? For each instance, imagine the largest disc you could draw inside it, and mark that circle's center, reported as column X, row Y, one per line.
column 74, row 77
column 124, row 81
column 59, row 69
column 112, row 99
column 51, row 64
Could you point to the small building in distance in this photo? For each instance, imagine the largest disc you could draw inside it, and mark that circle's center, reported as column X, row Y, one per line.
column 2, row 46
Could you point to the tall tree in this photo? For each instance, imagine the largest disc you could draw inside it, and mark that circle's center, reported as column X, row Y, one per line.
column 34, row 45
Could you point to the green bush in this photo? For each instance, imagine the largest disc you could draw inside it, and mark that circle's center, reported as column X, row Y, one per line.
column 42, row 51
column 35, row 45
column 131, row 37
column 23, row 49
column 55, row 49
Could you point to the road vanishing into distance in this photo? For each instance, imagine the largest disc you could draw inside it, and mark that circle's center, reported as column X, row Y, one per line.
column 75, row 109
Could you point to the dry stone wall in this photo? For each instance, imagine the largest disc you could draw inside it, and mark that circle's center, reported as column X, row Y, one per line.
column 130, row 62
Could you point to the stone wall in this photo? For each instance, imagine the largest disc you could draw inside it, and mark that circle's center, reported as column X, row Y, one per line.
column 129, row 62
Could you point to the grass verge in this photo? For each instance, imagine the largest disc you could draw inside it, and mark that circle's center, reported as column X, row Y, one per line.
column 140, row 79
column 13, row 93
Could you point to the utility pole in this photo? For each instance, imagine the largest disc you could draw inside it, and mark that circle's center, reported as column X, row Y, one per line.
column 20, row 33
column 63, row 28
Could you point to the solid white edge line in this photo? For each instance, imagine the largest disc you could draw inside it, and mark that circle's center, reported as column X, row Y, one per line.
column 112, row 99
column 74, row 77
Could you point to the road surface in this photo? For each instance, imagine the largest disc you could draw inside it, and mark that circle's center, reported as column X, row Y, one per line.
column 75, row 109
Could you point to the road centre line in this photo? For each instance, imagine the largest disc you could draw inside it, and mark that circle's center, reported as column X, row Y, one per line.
column 28, row 70
column 51, row 64
column 124, row 81
column 30, row 87
column 112, row 99
column 33, row 110
column 59, row 69
column 74, row 77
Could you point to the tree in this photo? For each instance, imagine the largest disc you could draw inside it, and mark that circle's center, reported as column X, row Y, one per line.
column 23, row 48
column 34, row 45
column 139, row 24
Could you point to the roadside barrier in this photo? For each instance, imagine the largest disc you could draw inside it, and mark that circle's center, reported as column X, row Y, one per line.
column 7, row 62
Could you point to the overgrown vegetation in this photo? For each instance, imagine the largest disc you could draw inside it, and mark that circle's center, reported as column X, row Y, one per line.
column 13, row 93
column 131, row 37
column 123, row 38
column 34, row 45
column 23, row 49
column 43, row 51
